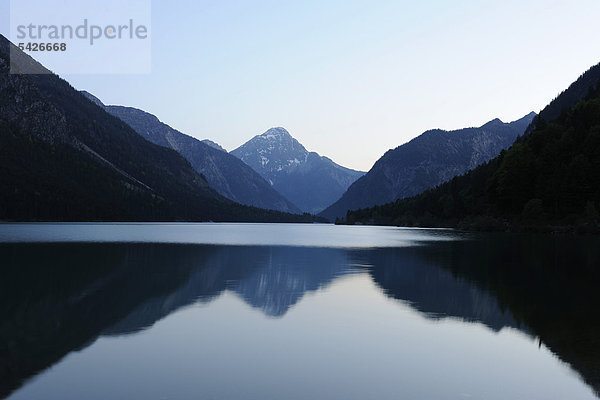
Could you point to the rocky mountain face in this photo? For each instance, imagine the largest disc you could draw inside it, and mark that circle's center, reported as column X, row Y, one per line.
column 427, row 161
column 213, row 145
column 225, row 173
column 309, row 180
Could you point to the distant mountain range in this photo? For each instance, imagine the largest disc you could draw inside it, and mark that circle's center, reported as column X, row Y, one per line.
column 309, row 180
column 63, row 157
column 266, row 172
column 225, row 173
column 549, row 178
column 432, row 158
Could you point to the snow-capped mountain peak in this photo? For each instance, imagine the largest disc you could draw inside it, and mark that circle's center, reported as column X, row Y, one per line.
column 312, row 180
column 272, row 152
column 276, row 133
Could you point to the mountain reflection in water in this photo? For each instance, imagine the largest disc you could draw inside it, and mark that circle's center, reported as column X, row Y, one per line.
column 57, row 298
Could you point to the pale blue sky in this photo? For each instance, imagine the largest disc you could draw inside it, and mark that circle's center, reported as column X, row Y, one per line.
column 351, row 79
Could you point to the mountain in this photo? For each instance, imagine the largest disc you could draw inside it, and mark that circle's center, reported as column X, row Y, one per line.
column 578, row 90
column 213, row 145
column 229, row 176
column 549, row 177
column 64, row 158
column 310, row 181
column 432, row 158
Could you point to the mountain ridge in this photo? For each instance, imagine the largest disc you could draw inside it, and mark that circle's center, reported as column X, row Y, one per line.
column 548, row 180
column 426, row 161
column 229, row 176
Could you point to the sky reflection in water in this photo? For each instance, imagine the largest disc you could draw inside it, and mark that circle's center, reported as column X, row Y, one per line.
column 444, row 319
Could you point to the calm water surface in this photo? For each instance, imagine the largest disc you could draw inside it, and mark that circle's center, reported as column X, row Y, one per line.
column 258, row 311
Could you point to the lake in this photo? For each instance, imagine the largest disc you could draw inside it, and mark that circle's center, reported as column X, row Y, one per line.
column 260, row 311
